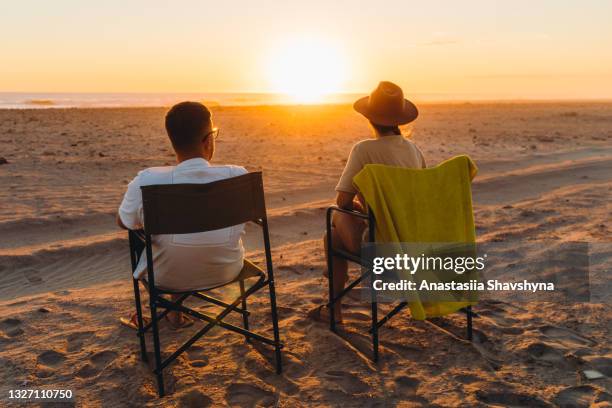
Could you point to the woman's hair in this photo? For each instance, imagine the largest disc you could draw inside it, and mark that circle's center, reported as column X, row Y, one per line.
column 383, row 130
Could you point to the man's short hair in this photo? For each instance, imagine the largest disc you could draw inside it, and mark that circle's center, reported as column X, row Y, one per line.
column 185, row 123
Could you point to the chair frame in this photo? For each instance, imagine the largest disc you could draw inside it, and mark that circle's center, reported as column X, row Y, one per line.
column 376, row 324
column 140, row 241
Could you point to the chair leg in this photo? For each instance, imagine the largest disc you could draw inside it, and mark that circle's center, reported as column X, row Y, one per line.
column 469, row 323
column 277, row 346
column 245, row 317
column 330, row 277
column 141, row 334
column 156, row 345
column 374, row 323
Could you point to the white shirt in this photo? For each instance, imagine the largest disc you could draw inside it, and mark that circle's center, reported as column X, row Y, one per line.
column 186, row 261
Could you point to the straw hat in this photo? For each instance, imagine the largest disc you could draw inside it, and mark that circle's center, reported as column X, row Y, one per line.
column 386, row 106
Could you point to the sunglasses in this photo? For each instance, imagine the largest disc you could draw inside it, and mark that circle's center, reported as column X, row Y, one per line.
column 214, row 133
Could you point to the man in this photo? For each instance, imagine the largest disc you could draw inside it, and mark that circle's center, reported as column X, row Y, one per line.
column 186, row 261
column 386, row 110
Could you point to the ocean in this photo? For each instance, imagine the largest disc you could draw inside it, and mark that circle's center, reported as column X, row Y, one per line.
column 19, row 100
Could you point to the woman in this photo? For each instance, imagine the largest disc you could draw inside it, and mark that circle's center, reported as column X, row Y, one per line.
column 386, row 109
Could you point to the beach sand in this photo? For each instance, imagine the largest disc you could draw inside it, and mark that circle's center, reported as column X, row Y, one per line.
column 545, row 175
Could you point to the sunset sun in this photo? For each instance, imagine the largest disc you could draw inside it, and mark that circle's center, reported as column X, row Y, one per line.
column 306, row 70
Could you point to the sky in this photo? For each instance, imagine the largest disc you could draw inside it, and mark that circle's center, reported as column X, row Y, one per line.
column 469, row 49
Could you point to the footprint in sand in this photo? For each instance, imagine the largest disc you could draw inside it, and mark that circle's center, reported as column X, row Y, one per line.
column 405, row 385
column 103, row 358
column 248, row 395
column 33, row 276
column 87, row 371
column 555, row 345
column 504, row 324
column 294, row 367
column 51, row 358
column 197, row 356
column 9, row 323
column 544, row 352
column 565, row 337
column 581, row 396
column 43, row 372
column 97, row 363
column 349, row 383
column 76, row 340
column 194, row 399
column 11, row 327
column 509, row 398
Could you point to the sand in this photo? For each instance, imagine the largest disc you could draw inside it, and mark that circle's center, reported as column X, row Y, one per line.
column 545, row 176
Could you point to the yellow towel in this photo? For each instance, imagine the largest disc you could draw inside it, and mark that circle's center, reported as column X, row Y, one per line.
column 422, row 205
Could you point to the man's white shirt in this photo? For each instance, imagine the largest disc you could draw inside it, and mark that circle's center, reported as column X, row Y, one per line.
column 186, row 261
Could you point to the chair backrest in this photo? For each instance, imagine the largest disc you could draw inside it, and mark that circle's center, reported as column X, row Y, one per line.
column 190, row 208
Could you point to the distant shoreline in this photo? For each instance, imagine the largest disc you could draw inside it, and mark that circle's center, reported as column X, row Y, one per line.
column 25, row 100
column 213, row 105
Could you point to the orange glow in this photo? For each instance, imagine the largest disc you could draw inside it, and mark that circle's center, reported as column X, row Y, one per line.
column 306, row 70
column 306, row 50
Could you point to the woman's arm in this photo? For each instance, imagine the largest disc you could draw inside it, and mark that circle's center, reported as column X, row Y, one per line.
column 345, row 200
column 350, row 201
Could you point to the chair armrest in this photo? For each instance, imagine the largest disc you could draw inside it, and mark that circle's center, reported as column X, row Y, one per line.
column 368, row 217
column 353, row 213
column 140, row 234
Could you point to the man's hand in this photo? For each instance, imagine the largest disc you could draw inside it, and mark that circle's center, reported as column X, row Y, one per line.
column 120, row 223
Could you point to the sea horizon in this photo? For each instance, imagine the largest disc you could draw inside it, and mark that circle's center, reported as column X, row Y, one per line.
column 62, row 100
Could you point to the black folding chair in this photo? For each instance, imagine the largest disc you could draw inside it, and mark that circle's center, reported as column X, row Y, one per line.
column 331, row 252
column 190, row 208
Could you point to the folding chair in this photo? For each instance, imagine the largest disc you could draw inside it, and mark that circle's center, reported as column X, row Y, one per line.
column 190, row 208
column 331, row 252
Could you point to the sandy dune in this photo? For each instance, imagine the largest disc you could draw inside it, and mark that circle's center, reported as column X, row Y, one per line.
column 545, row 176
